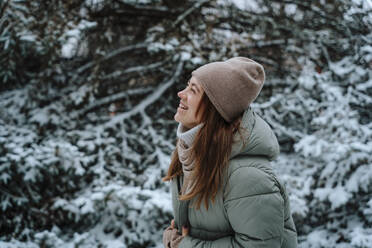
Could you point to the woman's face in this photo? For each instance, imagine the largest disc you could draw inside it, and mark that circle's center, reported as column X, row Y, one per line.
column 190, row 98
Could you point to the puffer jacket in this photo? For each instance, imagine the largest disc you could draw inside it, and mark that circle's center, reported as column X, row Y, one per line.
column 252, row 207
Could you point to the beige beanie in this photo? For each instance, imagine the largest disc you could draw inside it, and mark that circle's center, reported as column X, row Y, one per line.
column 231, row 85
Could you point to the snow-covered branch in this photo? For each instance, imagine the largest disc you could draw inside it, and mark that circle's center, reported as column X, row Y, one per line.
column 107, row 57
column 149, row 99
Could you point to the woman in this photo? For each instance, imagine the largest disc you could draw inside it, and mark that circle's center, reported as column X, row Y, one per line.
column 224, row 191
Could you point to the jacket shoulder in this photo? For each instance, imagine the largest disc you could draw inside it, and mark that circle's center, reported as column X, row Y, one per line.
column 250, row 176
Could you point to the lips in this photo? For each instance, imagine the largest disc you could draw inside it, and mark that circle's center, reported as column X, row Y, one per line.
column 182, row 106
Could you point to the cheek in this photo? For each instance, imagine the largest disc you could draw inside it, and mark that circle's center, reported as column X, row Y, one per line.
column 194, row 109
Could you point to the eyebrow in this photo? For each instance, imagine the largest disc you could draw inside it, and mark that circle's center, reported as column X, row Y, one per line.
column 193, row 84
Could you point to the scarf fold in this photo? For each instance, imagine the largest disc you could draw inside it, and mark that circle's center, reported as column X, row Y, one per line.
column 186, row 139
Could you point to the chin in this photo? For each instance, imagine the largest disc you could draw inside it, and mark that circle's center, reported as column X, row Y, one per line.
column 175, row 117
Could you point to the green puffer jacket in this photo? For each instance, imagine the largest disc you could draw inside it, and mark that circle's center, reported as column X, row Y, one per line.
column 252, row 208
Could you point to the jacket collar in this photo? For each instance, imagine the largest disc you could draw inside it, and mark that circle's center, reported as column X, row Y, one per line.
column 257, row 137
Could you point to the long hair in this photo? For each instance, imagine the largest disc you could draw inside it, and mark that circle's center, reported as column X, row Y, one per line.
column 211, row 150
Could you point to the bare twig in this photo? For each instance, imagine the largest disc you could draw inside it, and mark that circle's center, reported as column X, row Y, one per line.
column 141, row 68
column 188, row 12
column 112, row 98
column 3, row 8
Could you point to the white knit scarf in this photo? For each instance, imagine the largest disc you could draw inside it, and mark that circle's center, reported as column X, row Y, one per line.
column 186, row 139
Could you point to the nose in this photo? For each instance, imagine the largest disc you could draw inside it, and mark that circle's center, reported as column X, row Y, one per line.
column 181, row 94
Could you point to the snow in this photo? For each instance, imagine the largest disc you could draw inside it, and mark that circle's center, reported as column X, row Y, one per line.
column 362, row 147
column 30, row 175
column 72, row 37
column 13, row 243
column 69, row 49
column 361, row 178
column 185, row 56
column 32, row 161
column 87, row 207
column 48, row 239
column 318, row 238
column 253, row 5
column 114, row 244
column 28, row 37
column 196, row 60
column 97, row 196
column 59, row 203
column 338, row 197
column 290, row 9
column 368, row 210
column 361, row 237
column 155, row 47
column 41, row 117
column 311, row 145
column 322, row 193
column 4, row 177
column 364, row 86
column 306, row 78
column 160, row 200
column 342, row 67
column 97, row 5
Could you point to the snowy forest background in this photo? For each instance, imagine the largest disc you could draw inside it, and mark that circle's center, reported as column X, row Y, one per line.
column 88, row 94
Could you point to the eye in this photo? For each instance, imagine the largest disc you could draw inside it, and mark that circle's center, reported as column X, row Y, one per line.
column 193, row 91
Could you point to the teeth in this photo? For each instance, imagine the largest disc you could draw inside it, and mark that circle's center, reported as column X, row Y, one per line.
column 183, row 106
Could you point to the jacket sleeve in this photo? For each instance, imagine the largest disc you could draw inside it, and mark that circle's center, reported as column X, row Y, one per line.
column 255, row 209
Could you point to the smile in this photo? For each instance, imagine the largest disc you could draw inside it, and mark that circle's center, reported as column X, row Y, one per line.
column 182, row 106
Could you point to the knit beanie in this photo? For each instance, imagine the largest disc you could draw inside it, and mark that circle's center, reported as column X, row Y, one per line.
column 231, row 85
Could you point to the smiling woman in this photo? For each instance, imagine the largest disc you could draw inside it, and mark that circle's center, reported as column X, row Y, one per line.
column 224, row 190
